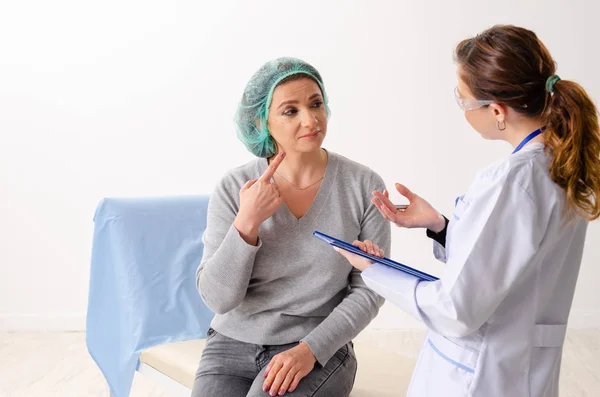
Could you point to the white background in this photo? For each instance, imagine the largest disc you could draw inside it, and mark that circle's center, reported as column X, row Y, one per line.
column 136, row 98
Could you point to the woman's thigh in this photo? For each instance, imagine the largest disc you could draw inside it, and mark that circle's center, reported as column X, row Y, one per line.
column 227, row 368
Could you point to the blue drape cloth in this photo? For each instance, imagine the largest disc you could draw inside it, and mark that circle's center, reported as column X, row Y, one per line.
column 143, row 281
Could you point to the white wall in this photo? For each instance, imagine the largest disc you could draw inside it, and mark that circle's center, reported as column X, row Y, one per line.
column 120, row 98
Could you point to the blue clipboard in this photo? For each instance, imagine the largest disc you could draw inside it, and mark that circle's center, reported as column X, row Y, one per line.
column 384, row 261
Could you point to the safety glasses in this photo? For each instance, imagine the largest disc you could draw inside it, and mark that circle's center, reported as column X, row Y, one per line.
column 470, row 104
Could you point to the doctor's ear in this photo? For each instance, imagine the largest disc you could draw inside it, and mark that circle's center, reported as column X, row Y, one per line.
column 499, row 111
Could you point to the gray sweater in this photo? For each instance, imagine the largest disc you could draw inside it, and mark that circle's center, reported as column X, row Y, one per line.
column 292, row 286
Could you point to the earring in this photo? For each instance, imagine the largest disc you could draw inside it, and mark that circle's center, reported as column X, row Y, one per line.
column 503, row 125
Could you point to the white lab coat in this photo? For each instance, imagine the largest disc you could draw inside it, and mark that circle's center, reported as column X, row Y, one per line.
column 498, row 315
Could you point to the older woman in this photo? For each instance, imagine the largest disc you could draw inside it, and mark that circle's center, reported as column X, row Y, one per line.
column 287, row 307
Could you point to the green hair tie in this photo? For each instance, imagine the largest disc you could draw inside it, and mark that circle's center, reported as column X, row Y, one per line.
column 550, row 83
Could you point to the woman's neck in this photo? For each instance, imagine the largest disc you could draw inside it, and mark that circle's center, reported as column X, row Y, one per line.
column 303, row 168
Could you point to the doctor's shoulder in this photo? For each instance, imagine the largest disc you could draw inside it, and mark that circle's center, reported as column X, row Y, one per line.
column 526, row 175
column 518, row 171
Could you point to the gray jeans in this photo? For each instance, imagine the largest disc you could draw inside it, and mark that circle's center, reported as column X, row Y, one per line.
column 229, row 368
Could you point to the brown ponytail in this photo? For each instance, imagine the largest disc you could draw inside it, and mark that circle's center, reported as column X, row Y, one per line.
column 511, row 65
column 574, row 138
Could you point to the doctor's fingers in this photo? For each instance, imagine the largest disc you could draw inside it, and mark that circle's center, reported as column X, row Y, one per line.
column 384, row 199
column 370, row 248
column 400, row 218
column 403, row 190
column 373, row 248
column 378, row 251
column 383, row 210
column 360, row 245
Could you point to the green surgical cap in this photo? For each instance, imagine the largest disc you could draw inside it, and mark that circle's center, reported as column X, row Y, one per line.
column 253, row 111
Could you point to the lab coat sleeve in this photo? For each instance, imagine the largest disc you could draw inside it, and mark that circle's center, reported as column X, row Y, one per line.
column 494, row 238
column 439, row 242
column 439, row 251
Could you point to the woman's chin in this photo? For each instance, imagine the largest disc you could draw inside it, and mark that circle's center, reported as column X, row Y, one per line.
column 307, row 145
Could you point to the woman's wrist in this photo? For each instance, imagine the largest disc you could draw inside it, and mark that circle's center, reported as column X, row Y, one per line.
column 247, row 229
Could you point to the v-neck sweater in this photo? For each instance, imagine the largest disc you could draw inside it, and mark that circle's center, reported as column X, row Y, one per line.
column 292, row 286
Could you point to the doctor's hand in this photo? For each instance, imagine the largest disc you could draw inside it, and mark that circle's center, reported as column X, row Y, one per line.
column 259, row 199
column 287, row 368
column 358, row 261
column 419, row 213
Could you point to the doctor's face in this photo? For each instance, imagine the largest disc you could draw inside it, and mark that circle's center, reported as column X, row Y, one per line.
column 482, row 119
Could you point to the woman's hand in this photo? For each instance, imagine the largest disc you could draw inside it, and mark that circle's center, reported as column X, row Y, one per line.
column 259, row 199
column 358, row 261
column 286, row 369
column 418, row 214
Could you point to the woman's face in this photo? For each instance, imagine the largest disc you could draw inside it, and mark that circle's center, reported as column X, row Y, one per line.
column 297, row 117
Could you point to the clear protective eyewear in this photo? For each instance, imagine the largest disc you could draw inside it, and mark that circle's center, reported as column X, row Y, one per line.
column 470, row 104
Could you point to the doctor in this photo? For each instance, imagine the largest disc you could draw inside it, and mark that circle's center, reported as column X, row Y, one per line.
column 498, row 315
